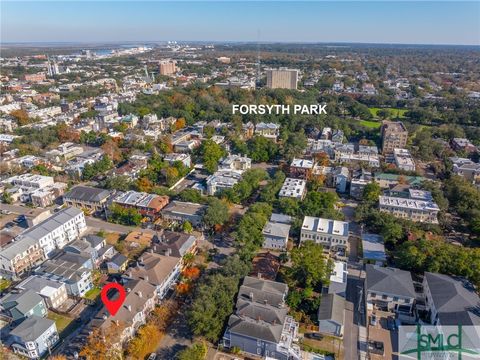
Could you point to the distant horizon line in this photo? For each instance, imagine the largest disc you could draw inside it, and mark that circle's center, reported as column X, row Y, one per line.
column 207, row 42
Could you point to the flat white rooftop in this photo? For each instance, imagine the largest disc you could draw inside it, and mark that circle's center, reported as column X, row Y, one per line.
column 411, row 204
column 325, row 226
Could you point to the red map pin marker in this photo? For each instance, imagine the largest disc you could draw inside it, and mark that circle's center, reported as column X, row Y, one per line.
column 113, row 305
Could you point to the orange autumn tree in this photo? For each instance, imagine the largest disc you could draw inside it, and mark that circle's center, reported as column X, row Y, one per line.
column 103, row 345
column 183, row 288
column 180, row 123
column 142, row 344
column 191, row 273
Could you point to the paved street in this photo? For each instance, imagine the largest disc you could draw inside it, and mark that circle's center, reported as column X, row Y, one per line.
column 354, row 310
column 16, row 209
column 99, row 224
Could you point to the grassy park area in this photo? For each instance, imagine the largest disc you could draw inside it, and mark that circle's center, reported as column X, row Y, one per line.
column 395, row 112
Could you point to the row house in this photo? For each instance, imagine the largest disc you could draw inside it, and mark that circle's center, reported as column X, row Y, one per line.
column 260, row 324
column 148, row 205
column 38, row 243
column 332, row 234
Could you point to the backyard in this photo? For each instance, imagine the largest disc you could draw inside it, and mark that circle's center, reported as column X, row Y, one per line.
column 61, row 321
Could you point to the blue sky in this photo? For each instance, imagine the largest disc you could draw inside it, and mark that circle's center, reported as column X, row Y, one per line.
column 427, row 22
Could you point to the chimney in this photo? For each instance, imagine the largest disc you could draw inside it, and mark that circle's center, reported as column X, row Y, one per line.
column 139, row 294
column 104, row 316
column 146, row 277
column 251, row 296
column 265, row 301
column 259, row 275
column 129, row 307
column 128, row 290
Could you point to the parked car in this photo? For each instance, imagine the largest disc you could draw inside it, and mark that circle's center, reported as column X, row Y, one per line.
column 376, row 347
column 391, row 324
column 315, row 336
column 373, row 320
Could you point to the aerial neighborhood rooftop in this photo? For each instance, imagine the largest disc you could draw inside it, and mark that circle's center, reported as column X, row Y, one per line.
column 286, row 236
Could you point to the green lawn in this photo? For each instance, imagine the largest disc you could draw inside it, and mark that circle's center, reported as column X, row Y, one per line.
column 400, row 113
column 370, row 124
column 92, row 293
column 61, row 321
column 4, row 284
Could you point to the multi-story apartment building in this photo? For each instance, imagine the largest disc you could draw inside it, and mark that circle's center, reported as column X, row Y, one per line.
column 235, row 163
column 39, row 190
column 260, row 324
column 412, row 209
column 147, row 204
column 294, row 188
column 268, row 130
column 139, row 302
column 180, row 211
column 403, row 159
column 161, row 271
column 282, row 79
column 167, row 67
column 463, row 144
column 87, row 198
column 467, row 169
column 394, row 135
column 185, row 159
column 221, row 180
column 248, row 130
column 389, row 289
column 332, row 234
column 450, row 300
column 37, row 243
column 64, row 152
column 301, row 168
column 275, row 235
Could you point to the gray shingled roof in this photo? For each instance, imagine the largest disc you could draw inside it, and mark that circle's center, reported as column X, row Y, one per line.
column 153, row 268
column 23, row 301
column 86, row 193
column 256, row 311
column 138, row 293
column 332, row 307
column 118, row 259
column 255, row 329
column 263, row 290
column 30, row 329
column 455, row 299
column 64, row 269
column 94, row 240
column 389, row 280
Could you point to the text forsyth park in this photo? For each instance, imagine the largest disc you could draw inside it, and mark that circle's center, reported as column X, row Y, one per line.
column 313, row 109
